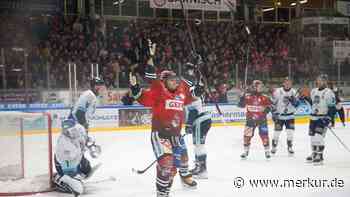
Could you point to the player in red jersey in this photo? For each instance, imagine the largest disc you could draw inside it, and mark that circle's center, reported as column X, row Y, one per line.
column 167, row 97
column 257, row 105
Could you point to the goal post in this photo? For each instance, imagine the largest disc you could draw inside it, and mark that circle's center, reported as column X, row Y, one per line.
column 26, row 159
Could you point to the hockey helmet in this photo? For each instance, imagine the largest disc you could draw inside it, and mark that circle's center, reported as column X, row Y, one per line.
column 68, row 123
column 322, row 77
column 96, row 84
column 287, row 83
column 322, row 81
column 96, row 81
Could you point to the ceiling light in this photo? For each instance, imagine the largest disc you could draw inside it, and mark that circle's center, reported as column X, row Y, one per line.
column 267, row 9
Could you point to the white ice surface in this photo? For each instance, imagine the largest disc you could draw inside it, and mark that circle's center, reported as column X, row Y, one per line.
column 123, row 151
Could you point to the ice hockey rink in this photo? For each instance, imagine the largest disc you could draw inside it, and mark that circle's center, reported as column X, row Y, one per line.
column 123, row 151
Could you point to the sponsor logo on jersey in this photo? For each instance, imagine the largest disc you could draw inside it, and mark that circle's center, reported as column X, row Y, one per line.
column 174, row 104
column 254, row 108
column 179, row 97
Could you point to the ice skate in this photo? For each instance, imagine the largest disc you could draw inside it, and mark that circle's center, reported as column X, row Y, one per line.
column 188, row 182
column 318, row 159
column 267, row 155
column 274, row 147
column 290, row 151
column 310, row 158
column 199, row 172
column 244, row 155
column 162, row 194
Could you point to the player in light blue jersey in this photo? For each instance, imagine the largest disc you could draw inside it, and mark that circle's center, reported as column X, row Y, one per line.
column 85, row 107
column 285, row 102
column 322, row 100
column 198, row 123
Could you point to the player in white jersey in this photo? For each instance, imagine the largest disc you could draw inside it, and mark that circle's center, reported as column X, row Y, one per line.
column 285, row 102
column 322, row 109
column 85, row 107
column 70, row 162
column 198, row 123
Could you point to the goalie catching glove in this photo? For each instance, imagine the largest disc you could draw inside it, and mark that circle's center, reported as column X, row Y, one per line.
column 94, row 149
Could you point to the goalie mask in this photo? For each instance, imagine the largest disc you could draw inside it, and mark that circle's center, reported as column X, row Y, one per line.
column 68, row 128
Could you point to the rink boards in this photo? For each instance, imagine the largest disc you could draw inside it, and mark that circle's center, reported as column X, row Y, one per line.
column 138, row 118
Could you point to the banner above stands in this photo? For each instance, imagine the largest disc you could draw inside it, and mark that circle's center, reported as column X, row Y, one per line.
column 206, row 5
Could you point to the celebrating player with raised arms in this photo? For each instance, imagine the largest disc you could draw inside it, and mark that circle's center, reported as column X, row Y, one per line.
column 285, row 102
column 257, row 105
column 167, row 97
column 198, row 123
column 85, row 107
column 322, row 100
column 71, row 164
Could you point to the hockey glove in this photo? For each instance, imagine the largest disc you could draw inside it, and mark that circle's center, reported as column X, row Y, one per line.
column 325, row 121
column 267, row 110
column 150, row 72
column 151, row 47
column 198, row 60
column 188, row 129
column 94, row 150
column 134, row 87
column 198, row 90
column 293, row 101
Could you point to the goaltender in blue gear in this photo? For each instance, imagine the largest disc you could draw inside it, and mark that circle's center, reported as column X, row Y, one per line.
column 70, row 162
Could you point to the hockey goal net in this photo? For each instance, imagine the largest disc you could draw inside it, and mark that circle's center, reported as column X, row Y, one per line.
column 25, row 153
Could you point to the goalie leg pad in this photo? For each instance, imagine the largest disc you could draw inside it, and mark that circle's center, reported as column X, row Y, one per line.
column 84, row 167
column 68, row 184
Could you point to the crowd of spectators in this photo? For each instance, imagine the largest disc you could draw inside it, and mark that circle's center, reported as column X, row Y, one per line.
column 58, row 40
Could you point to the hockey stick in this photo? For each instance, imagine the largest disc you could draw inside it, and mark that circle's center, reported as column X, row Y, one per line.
column 339, row 140
column 193, row 46
column 144, row 170
column 109, row 179
column 150, row 165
